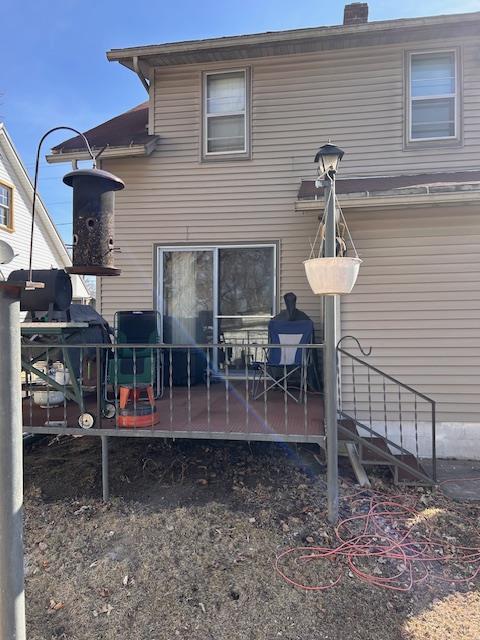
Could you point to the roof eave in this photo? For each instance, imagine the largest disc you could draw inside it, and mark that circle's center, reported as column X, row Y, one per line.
column 227, row 46
column 124, row 151
column 394, row 199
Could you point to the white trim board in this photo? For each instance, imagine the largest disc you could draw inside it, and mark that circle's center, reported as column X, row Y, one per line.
column 459, row 440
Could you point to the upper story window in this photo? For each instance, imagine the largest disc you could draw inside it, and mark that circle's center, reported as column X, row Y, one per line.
column 433, row 96
column 225, row 113
column 6, row 206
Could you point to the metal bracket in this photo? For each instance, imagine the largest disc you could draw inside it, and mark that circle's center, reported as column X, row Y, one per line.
column 140, row 74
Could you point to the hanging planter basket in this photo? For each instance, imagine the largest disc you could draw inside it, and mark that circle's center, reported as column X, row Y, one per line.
column 332, row 276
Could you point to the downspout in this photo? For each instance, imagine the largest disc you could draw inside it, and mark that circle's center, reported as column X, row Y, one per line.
column 140, row 74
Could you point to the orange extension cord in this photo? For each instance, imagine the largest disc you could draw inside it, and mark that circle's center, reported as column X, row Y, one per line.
column 384, row 531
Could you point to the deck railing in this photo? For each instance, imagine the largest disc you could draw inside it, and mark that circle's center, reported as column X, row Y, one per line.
column 160, row 390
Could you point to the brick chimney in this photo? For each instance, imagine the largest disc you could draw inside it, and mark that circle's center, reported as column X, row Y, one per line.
column 355, row 13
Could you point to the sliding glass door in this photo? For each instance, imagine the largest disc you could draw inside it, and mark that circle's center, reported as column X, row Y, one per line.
column 246, row 302
column 220, row 294
column 187, row 302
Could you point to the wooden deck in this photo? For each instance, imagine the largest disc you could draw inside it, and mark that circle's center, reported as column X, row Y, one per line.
column 224, row 411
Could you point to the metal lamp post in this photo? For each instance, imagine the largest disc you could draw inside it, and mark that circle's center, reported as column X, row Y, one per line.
column 12, row 598
column 12, row 595
column 328, row 158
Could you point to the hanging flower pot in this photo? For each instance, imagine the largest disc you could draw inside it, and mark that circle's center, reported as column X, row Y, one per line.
column 332, row 276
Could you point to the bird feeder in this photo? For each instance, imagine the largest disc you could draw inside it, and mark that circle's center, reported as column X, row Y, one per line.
column 93, row 221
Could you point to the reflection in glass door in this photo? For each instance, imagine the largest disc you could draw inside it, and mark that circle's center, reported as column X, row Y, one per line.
column 246, row 302
column 223, row 294
column 187, row 294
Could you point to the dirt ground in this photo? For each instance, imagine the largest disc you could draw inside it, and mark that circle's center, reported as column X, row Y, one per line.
column 187, row 545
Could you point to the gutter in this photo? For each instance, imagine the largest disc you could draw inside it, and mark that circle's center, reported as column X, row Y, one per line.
column 125, row 151
column 420, row 198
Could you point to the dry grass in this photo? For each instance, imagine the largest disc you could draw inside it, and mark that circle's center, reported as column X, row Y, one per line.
column 187, row 551
column 456, row 616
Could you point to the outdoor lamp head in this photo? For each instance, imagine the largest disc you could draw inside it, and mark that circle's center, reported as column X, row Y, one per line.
column 328, row 158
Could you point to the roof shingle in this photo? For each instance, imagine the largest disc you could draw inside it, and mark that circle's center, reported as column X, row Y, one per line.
column 129, row 128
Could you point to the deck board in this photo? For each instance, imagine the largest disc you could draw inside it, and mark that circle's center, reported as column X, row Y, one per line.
column 231, row 412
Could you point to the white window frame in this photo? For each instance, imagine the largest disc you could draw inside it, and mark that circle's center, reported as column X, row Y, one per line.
column 454, row 95
column 8, row 226
column 245, row 113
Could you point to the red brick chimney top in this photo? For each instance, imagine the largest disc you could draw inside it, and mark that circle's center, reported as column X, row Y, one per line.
column 355, row 13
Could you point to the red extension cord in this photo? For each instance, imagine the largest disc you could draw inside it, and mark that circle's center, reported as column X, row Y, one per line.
column 385, row 532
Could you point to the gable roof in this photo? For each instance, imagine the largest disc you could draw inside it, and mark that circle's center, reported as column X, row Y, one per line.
column 41, row 213
column 128, row 129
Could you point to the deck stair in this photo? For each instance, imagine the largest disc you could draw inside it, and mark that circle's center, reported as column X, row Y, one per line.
column 374, row 451
column 379, row 416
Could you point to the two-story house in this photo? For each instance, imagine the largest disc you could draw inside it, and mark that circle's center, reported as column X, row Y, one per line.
column 220, row 204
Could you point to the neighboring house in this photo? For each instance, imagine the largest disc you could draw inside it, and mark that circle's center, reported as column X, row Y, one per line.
column 220, row 204
column 16, row 193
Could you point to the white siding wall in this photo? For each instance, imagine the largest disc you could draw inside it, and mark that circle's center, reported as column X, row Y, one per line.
column 45, row 254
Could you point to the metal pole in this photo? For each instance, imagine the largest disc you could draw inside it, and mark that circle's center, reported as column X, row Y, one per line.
column 330, row 362
column 105, row 483
column 12, row 596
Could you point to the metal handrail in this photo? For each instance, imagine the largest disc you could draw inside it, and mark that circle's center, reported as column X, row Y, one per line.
column 165, row 345
column 401, row 385
column 386, row 375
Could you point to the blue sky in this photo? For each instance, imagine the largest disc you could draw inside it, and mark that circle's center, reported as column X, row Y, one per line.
column 54, row 69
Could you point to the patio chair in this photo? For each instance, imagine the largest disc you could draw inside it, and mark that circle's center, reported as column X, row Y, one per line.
column 136, row 368
column 283, row 365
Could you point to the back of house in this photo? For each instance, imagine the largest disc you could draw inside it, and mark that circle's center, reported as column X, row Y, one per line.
column 220, row 205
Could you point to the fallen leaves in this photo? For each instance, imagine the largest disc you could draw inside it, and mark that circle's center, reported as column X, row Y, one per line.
column 128, row 581
column 55, row 605
column 106, row 609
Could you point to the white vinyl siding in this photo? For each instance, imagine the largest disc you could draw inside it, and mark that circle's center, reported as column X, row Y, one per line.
column 433, row 96
column 225, row 113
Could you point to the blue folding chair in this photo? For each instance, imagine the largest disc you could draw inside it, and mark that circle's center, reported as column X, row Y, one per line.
column 284, row 364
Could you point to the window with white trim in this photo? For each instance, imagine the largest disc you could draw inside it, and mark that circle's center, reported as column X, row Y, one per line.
column 225, row 113
column 433, row 96
column 6, row 197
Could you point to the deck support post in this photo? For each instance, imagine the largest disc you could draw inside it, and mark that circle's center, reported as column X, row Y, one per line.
column 12, row 594
column 105, row 482
column 330, row 359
